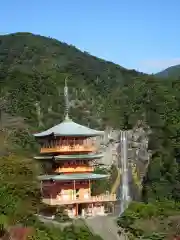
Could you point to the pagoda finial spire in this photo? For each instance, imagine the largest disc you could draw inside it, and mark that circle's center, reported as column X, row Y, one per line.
column 66, row 100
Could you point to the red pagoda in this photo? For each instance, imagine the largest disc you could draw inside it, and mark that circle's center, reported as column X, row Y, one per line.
column 68, row 151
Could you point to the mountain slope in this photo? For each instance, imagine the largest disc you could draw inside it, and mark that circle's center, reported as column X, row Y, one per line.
column 173, row 71
column 32, row 73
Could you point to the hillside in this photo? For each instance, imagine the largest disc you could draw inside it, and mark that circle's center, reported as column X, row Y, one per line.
column 32, row 73
column 38, row 65
column 173, row 71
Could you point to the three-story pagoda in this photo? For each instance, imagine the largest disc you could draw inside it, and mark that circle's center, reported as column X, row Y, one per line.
column 70, row 151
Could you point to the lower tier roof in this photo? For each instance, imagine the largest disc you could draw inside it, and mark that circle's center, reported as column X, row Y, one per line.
column 71, row 156
column 75, row 176
column 78, row 156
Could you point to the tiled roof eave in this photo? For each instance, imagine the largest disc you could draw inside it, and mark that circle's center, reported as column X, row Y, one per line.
column 71, row 177
column 85, row 156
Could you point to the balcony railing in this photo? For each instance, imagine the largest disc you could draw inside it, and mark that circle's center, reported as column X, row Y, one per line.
column 64, row 148
column 73, row 200
column 74, row 169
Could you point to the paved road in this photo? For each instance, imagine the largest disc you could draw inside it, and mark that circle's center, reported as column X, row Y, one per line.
column 105, row 226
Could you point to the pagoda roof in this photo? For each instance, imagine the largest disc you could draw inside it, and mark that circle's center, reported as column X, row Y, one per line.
column 70, row 156
column 69, row 128
column 43, row 157
column 75, row 176
column 79, row 156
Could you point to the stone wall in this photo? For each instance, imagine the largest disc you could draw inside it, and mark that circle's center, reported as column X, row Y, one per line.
column 108, row 145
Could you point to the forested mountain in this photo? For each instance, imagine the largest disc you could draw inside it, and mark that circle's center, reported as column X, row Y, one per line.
column 32, row 73
column 173, row 71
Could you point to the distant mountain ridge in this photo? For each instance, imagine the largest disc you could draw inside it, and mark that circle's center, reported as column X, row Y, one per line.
column 173, row 71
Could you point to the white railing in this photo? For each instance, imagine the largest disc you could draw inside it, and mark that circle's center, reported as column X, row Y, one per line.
column 64, row 148
column 91, row 199
column 75, row 169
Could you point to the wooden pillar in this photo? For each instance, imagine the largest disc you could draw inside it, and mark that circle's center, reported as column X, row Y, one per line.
column 113, row 208
column 74, row 189
column 76, row 209
column 50, row 198
column 41, row 188
column 89, row 188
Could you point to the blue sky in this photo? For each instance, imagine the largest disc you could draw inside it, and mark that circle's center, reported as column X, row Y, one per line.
column 138, row 34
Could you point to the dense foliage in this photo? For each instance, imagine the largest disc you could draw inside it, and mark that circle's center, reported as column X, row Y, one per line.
column 102, row 186
column 155, row 221
column 32, row 73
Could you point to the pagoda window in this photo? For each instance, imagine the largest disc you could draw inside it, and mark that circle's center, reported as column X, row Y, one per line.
column 86, row 142
column 73, row 163
column 82, row 182
column 66, row 164
column 49, row 144
column 71, row 142
column 67, row 183
column 59, row 142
